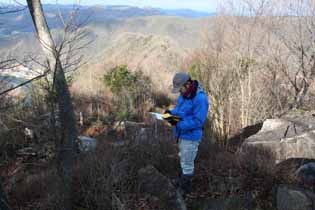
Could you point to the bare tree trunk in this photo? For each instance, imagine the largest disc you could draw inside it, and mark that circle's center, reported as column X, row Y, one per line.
column 300, row 93
column 249, row 99
column 242, row 104
column 229, row 125
column 63, row 98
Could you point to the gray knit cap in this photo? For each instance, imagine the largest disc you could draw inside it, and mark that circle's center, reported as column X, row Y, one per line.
column 179, row 80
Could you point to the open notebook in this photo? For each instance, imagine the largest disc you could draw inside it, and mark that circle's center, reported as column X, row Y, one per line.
column 166, row 117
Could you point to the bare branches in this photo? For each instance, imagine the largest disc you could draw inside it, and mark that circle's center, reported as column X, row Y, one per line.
column 74, row 40
column 256, row 65
column 8, row 64
column 7, row 9
column 297, row 33
column 22, row 84
column 12, row 8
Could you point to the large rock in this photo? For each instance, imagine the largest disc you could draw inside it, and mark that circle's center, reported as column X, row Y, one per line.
column 293, row 198
column 292, row 136
column 155, row 183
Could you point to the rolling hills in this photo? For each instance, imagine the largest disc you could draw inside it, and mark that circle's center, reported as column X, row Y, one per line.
column 153, row 40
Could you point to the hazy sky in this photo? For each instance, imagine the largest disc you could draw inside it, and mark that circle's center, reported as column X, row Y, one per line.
column 201, row 5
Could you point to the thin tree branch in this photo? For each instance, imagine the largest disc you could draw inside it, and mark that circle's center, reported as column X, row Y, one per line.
column 23, row 84
column 11, row 10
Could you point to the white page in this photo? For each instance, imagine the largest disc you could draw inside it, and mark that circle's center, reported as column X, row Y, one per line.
column 157, row 116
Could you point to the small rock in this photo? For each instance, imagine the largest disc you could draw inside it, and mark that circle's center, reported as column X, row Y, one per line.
column 86, row 143
column 29, row 133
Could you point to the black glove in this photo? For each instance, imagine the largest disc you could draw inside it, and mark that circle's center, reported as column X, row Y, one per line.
column 167, row 111
column 172, row 122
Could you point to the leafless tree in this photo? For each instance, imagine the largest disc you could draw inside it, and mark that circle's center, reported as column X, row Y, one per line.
column 296, row 32
column 237, row 68
column 63, row 98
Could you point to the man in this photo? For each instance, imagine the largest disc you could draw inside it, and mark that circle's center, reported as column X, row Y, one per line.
column 192, row 107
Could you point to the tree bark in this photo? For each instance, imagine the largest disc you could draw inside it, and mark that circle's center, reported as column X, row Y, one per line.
column 67, row 143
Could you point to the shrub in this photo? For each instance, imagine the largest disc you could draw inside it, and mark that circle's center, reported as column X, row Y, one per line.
column 120, row 78
column 257, row 166
column 132, row 92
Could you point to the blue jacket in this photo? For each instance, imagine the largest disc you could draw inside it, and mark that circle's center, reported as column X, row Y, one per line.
column 193, row 113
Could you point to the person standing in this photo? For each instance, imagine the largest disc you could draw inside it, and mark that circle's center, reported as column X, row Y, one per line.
column 192, row 107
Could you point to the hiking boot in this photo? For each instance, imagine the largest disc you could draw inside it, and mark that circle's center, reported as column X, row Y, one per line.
column 185, row 185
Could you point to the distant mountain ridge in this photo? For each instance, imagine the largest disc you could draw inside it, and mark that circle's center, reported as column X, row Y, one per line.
column 186, row 13
column 14, row 23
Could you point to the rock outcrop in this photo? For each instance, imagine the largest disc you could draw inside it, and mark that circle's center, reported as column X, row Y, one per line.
column 291, row 136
